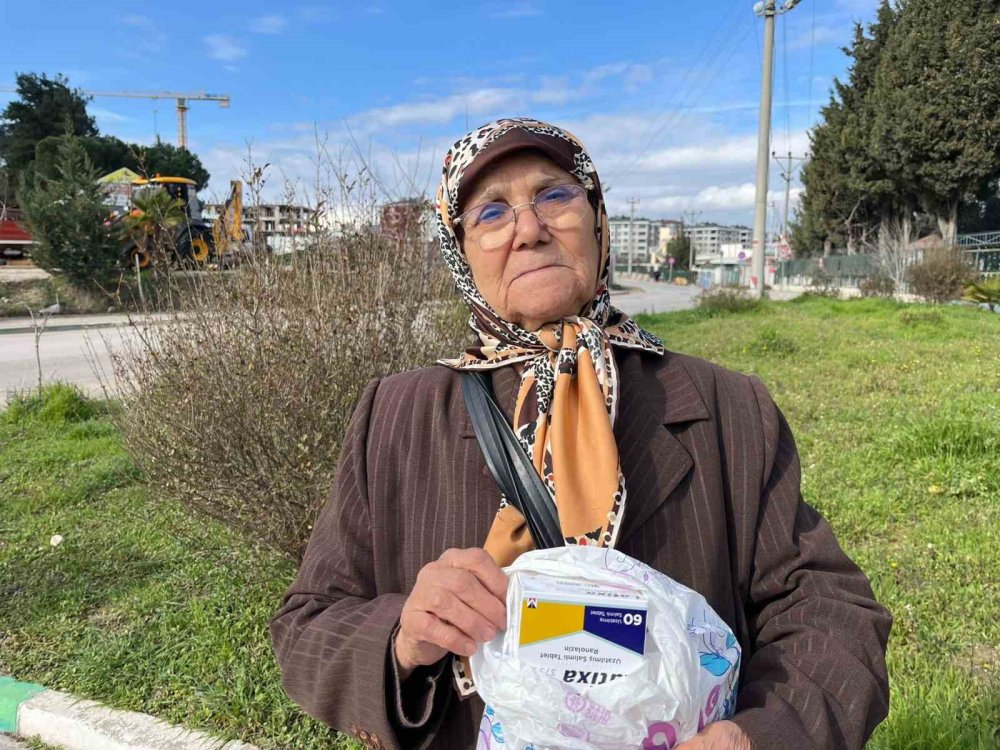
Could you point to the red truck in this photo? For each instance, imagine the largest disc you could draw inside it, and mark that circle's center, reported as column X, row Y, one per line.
column 14, row 239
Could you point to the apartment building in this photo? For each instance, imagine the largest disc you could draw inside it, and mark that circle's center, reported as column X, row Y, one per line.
column 633, row 239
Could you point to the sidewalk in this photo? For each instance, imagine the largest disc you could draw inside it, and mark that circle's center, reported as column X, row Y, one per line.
column 77, row 322
column 65, row 720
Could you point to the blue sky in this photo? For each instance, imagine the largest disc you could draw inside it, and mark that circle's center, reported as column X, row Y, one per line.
column 664, row 94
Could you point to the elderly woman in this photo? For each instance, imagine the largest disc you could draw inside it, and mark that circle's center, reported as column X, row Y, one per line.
column 677, row 462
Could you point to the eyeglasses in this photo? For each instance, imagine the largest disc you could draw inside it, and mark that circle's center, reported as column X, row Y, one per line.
column 554, row 206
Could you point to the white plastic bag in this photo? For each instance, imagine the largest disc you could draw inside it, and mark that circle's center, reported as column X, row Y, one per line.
column 601, row 652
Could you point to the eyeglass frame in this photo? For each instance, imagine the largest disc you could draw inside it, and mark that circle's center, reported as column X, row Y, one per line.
column 458, row 221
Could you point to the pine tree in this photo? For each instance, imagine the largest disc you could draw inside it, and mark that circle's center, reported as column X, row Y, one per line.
column 846, row 190
column 67, row 218
column 43, row 107
column 937, row 91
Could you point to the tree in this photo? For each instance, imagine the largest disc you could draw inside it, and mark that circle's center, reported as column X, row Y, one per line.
column 152, row 224
column 982, row 212
column 67, row 219
column 680, row 249
column 938, row 104
column 44, row 107
column 805, row 236
column 168, row 159
column 845, row 188
column 108, row 153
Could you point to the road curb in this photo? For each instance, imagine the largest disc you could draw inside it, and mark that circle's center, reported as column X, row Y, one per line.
column 71, row 327
column 58, row 718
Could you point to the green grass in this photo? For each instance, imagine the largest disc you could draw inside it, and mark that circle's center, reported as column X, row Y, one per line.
column 140, row 606
column 896, row 411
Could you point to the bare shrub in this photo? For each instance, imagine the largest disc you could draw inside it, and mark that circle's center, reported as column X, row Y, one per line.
column 236, row 404
column 822, row 284
column 881, row 287
column 941, row 275
column 726, row 300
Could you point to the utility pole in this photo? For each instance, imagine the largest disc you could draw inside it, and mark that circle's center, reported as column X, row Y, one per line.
column 787, row 173
column 632, row 203
column 689, row 217
column 768, row 9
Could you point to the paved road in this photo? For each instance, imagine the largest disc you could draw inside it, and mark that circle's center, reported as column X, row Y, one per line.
column 653, row 297
column 66, row 356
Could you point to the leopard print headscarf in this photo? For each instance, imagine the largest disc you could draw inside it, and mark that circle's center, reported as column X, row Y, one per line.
column 568, row 397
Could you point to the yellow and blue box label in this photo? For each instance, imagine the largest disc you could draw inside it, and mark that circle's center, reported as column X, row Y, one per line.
column 583, row 633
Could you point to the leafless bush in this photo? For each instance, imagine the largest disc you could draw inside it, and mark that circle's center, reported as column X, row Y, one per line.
column 881, row 287
column 236, row 404
column 941, row 275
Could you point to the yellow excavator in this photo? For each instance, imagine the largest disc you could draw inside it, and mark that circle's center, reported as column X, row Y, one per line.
column 197, row 242
column 229, row 233
column 192, row 240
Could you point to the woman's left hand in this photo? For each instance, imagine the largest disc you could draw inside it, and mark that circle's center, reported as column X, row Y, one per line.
column 721, row 735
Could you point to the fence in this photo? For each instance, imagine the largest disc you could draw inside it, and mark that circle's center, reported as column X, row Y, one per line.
column 841, row 270
column 983, row 251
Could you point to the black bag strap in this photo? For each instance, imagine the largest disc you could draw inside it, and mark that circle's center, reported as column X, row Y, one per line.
column 510, row 466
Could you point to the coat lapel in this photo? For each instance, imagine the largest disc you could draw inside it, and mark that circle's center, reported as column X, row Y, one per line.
column 657, row 397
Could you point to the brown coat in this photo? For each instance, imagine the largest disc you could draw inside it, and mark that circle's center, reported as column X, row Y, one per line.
column 713, row 501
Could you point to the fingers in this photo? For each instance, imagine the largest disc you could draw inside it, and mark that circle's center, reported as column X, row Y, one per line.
column 457, row 603
column 429, row 628
column 457, row 596
column 480, row 564
column 469, row 587
column 466, row 605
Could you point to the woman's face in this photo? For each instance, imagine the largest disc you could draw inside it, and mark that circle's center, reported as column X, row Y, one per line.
column 534, row 273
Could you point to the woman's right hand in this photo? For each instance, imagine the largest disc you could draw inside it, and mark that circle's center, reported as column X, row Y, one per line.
column 457, row 602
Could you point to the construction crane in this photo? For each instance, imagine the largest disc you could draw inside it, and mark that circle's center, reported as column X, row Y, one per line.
column 181, row 99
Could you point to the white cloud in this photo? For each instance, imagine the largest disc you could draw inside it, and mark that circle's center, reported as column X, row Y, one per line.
column 133, row 19
column 633, row 75
column 268, row 24
column 517, row 10
column 858, row 7
column 107, row 116
column 695, row 158
column 315, row 13
column 154, row 38
column 821, row 36
column 496, row 100
column 479, row 103
column 223, row 47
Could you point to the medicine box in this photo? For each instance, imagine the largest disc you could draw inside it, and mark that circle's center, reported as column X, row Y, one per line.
column 584, row 633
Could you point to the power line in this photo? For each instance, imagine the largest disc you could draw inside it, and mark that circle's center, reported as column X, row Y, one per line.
column 689, row 217
column 677, row 114
column 705, row 50
column 710, row 52
column 787, row 173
